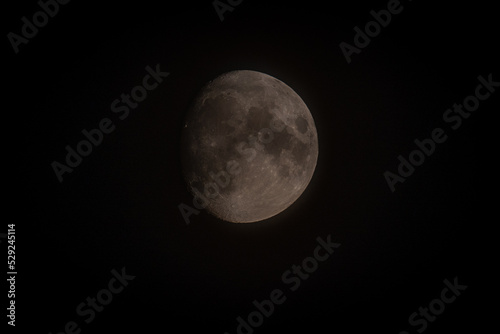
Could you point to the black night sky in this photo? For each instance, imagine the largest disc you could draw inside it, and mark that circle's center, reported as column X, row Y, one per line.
column 119, row 207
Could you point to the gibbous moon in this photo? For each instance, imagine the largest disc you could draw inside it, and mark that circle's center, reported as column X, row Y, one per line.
column 249, row 147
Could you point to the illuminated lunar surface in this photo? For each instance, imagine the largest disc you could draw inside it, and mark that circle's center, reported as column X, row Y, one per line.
column 249, row 147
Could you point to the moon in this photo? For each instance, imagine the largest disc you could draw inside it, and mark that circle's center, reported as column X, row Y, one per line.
column 249, row 147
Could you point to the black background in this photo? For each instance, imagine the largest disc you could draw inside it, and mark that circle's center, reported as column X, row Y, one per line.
column 119, row 208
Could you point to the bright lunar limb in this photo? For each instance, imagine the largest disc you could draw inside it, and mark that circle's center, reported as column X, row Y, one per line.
column 249, row 147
